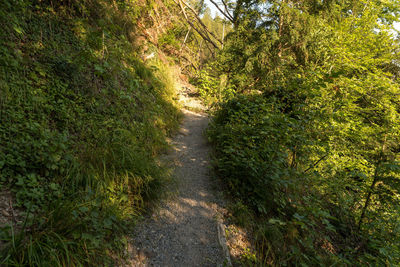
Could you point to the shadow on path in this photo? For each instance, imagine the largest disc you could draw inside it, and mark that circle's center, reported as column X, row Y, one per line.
column 183, row 232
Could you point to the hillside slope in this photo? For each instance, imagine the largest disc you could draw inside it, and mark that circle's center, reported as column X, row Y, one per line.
column 82, row 118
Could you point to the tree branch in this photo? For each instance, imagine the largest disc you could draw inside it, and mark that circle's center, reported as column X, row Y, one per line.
column 315, row 164
column 226, row 9
column 368, row 198
column 201, row 22
column 226, row 14
column 206, row 38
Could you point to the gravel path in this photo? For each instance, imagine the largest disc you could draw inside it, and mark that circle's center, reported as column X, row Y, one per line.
column 183, row 231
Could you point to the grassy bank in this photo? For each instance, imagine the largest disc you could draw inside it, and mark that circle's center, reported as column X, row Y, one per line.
column 82, row 119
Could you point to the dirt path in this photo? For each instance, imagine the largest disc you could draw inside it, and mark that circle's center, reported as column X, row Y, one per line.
column 184, row 231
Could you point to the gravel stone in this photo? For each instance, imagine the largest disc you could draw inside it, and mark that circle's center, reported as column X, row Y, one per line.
column 183, row 231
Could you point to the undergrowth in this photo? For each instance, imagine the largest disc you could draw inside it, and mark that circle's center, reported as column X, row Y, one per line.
column 309, row 144
column 301, row 204
column 81, row 121
column 212, row 86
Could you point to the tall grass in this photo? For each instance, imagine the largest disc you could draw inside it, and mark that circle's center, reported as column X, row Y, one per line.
column 82, row 122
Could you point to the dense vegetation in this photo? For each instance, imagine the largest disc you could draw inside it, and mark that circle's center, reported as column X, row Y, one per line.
column 306, row 103
column 81, row 120
column 307, row 138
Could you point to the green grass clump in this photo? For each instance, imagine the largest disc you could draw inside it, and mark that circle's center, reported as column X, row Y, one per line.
column 81, row 121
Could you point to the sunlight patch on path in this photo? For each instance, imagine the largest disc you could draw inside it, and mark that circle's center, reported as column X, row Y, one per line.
column 184, row 231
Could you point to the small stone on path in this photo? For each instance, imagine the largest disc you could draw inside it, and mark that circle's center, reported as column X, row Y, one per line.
column 184, row 230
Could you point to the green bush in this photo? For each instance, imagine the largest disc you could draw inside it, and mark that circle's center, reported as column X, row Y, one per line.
column 251, row 141
column 305, row 200
column 212, row 88
column 315, row 156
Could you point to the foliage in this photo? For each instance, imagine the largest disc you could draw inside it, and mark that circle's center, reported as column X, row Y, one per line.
column 81, row 122
column 198, row 40
column 272, row 163
column 315, row 155
column 212, row 88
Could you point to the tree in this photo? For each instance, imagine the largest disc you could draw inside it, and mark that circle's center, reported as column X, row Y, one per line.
column 332, row 68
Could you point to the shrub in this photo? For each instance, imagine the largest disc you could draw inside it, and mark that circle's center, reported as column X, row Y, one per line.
column 306, row 203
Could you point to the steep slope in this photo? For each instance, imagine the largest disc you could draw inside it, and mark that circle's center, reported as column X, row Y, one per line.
column 82, row 119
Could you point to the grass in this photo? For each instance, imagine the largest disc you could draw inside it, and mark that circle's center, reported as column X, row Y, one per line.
column 82, row 121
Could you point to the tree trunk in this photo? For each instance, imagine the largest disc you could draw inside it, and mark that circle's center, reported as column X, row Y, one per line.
column 368, row 199
column 280, row 30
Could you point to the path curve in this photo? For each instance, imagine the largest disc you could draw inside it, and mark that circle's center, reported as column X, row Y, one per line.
column 184, row 230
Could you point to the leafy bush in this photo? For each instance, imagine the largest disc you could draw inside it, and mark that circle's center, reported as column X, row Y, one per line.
column 212, row 88
column 315, row 155
column 273, row 162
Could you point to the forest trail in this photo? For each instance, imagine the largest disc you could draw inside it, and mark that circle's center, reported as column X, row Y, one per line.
column 184, row 230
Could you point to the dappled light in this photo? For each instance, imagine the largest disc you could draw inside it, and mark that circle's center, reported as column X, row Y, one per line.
column 183, row 232
column 199, row 133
